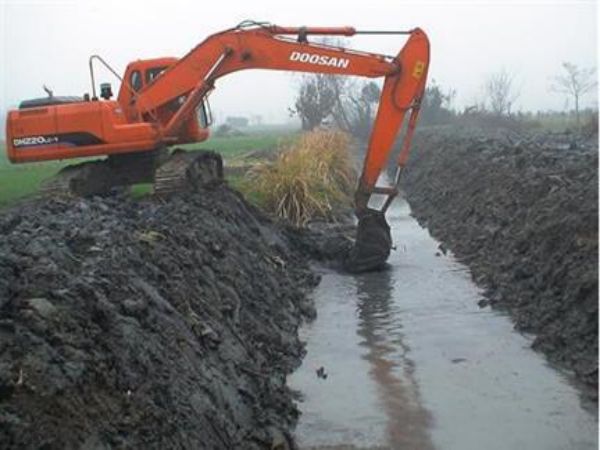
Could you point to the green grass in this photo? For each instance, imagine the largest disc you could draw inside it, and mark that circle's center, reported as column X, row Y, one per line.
column 248, row 188
column 21, row 180
column 18, row 181
column 235, row 146
column 140, row 190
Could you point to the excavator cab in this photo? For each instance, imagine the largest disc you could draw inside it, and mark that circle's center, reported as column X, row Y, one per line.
column 139, row 75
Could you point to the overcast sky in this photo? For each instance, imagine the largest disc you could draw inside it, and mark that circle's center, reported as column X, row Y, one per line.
column 48, row 42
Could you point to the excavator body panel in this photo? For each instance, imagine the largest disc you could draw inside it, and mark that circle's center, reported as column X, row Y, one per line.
column 74, row 130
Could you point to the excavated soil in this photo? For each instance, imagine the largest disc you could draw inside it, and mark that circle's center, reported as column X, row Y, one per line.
column 522, row 211
column 148, row 324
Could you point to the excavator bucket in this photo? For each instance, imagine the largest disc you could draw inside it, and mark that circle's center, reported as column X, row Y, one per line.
column 373, row 243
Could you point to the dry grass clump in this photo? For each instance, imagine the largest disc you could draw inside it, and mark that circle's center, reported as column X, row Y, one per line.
column 312, row 177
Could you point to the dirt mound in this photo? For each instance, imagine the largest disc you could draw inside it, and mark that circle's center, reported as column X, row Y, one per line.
column 143, row 324
column 522, row 212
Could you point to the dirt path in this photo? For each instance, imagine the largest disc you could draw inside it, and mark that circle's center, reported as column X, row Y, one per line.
column 413, row 362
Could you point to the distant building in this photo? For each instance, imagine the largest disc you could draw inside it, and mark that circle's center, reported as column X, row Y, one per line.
column 256, row 119
column 237, row 122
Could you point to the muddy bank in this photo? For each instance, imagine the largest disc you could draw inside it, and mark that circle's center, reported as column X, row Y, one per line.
column 522, row 212
column 148, row 324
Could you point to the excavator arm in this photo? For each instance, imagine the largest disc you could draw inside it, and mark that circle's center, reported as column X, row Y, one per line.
column 265, row 47
column 269, row 47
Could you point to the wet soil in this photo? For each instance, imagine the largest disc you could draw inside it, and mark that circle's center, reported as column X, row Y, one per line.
column 148, row 324
column 521, row 210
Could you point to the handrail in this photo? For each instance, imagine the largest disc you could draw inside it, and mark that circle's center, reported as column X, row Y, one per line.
column 91, row 64
column 114, row 72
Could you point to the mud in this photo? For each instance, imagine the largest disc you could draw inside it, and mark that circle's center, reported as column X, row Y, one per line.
column 521, row 211
column 148, row 324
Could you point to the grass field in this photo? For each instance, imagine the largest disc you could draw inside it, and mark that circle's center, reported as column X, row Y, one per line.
column 18, row 181
column 235, row 146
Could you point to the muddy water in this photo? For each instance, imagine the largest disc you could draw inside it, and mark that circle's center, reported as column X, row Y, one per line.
column 411, row 362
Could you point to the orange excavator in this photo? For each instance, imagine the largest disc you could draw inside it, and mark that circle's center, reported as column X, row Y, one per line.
column 163, row 102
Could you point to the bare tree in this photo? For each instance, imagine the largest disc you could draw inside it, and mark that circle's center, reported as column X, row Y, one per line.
column 351, row 105
column 500, row 92
column 575, row 83
column 436, row 106
column 356, row 106
column 316, row 99
column 318, row 93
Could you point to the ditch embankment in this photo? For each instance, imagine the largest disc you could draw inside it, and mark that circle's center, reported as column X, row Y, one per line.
column 521, row 210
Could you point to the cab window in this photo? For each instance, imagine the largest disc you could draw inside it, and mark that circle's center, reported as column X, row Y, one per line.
column 152, row 73
column 136, row 80
column 204, row 114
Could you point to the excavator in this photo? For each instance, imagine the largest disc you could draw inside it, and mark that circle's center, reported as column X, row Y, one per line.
column 163, row 102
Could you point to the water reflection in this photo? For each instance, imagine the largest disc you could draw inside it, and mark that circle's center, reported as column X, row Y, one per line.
column 380, row 328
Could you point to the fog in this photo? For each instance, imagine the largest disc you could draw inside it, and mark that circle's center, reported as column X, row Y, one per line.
column 50, row 42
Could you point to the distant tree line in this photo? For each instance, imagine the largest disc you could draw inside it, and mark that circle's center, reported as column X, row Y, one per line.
column 575, row 82
column 351, row 106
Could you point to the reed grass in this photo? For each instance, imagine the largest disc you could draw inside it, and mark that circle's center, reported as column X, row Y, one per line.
column 313, row 177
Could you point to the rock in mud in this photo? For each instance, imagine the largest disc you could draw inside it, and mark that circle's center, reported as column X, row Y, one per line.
column 147, row 324
column 521, row 210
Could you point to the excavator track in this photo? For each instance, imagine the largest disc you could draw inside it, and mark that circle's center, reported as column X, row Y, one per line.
column 185, row 171
column 103, row 176
column 180, row 171
column 80, row 180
